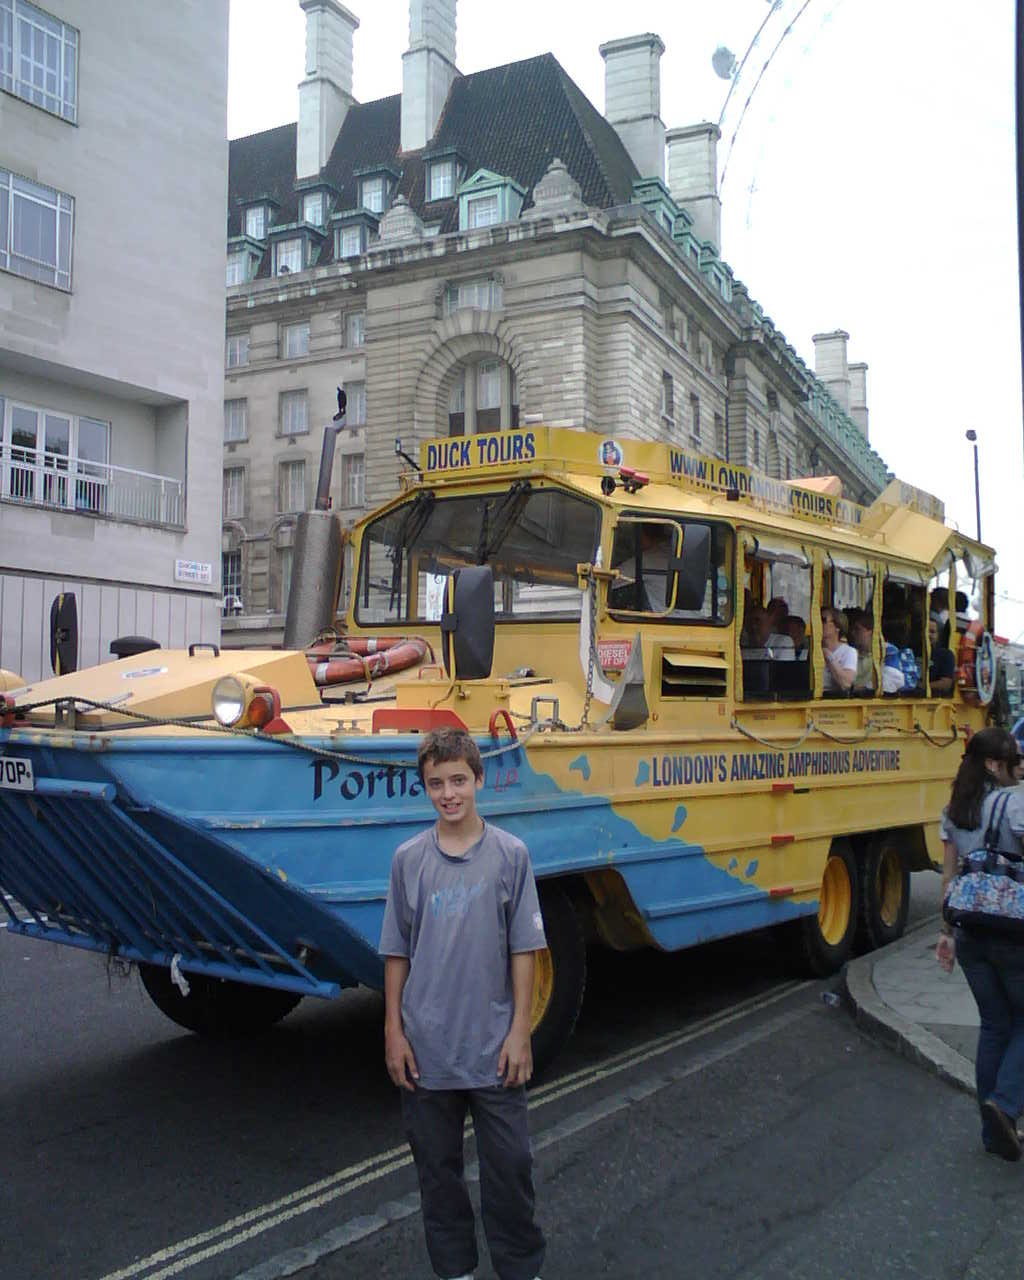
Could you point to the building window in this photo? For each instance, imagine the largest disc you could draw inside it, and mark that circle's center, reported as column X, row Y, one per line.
column 237, row 350
column 355, row 408
column 58, row 459
column 668, row 400
column 256, row 222
column 294, row 413
column 695, row 418
column 231, row 581
column 313, row 208
column 36, row 228
column 720, row 438
column 234, row 493
column 236, row 420
column 349, row 242
column 355, row 329
column 239, row 265
column 372, row 194
column 39, row 58
column 476, row 295
column 353, row 479
column 442, row 180
column 483, row 397
column 483, row 211
column 291, row 486
column 295, row 340
column 287, row 256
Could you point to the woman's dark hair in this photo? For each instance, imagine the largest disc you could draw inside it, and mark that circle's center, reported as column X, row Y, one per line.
column 973, row 781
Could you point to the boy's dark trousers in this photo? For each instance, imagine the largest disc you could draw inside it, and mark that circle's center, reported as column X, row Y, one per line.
column 434, row 1120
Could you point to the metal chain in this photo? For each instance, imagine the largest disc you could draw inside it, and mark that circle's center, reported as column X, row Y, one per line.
column 255, row 736
column 589, row 691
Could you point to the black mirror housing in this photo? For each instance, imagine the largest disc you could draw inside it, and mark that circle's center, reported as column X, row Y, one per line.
column 467, row 627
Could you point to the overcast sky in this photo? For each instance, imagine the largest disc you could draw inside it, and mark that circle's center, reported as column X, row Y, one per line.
column 870, row 188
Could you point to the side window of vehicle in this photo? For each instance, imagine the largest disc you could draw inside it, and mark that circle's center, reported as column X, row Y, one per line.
column 673, row 570
column 775, row 639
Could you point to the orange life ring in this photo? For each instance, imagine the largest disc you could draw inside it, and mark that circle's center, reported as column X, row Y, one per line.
column 976, row 665
column 364, row 657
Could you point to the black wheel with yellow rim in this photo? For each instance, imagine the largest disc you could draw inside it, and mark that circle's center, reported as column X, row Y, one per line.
column 822, row 943
column 884, row 893
column 560, row 975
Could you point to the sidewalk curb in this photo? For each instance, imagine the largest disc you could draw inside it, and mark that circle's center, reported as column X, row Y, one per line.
column 907, row 1038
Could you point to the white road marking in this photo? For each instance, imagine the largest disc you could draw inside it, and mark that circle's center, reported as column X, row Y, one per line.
column 236, row 1231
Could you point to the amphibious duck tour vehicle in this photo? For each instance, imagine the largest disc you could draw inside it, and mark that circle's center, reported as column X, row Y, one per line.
column 593, row 610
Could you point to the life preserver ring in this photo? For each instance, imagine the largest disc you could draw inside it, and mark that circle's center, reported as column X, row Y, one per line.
column 976, row 665
column 364, row 657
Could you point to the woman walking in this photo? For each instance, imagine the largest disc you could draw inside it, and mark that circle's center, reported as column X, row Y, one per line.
column 992, row 961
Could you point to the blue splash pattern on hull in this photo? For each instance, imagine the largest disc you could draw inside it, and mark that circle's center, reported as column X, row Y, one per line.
column 328, row 828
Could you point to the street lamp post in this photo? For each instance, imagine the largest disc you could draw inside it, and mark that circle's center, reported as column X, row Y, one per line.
column 972, row 435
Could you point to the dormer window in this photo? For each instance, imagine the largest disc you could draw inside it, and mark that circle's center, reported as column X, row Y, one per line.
column 487, row 198
column 353, row 231
column 349, row 242
column 313, row 208
column 482, row 211
column 288, row 256
column 371, row 194
column 243, row 259
column 256, row 221
column 442, row 180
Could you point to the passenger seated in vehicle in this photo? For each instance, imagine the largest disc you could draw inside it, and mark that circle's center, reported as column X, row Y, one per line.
column 942, row 670
column 840, row 655
column 759, row 641
column 796, row 628
column 656, row 552
column 862, row 636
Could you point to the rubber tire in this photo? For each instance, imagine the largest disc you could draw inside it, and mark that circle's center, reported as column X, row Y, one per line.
column 215, row 1007
column 808, row 948
column 874, row 929
column 568, row 953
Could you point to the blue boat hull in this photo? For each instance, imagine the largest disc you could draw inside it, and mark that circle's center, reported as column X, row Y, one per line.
column 250, row 860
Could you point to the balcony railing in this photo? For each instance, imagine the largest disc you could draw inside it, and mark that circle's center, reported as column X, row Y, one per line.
column 90, row 488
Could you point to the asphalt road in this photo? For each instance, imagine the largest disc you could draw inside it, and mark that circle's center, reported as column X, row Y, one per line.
column 707, row 1114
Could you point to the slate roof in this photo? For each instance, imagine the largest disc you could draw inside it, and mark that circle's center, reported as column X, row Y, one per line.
column 512, row 120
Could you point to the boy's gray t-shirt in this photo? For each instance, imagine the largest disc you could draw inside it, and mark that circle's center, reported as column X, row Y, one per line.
column 459, row 920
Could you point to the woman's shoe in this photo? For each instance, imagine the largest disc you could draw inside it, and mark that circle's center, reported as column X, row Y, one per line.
column 1005, row 1141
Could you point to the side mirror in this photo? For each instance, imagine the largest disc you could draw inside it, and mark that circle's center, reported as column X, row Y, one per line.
column 467, row 625
column 64, row 634
column 693, row 567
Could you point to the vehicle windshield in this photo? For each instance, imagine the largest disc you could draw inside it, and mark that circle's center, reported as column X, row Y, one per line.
column 533, row 538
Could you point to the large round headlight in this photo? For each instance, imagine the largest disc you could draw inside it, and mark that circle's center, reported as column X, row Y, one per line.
column 230, row 700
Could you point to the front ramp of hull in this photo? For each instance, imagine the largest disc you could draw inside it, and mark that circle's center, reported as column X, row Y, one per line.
column 140, row 884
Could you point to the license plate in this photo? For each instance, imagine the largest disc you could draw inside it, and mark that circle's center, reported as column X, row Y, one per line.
column 16, row 774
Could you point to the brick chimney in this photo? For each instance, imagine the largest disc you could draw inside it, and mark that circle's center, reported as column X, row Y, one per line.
column 859, row 397
column 632, row 99
column 428, row 69
column 693, row 178
column 326, row 93
column 830, row 366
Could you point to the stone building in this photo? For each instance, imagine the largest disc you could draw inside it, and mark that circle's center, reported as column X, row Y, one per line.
column 113, row 177
column 480, row 250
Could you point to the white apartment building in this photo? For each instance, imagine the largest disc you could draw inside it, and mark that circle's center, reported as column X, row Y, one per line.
column 113, row 178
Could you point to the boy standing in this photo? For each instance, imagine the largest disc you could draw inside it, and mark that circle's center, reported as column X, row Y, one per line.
column 460, row 928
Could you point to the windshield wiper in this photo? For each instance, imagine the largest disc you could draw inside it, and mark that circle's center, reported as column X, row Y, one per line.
column 413, row 524
column 507, row 513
